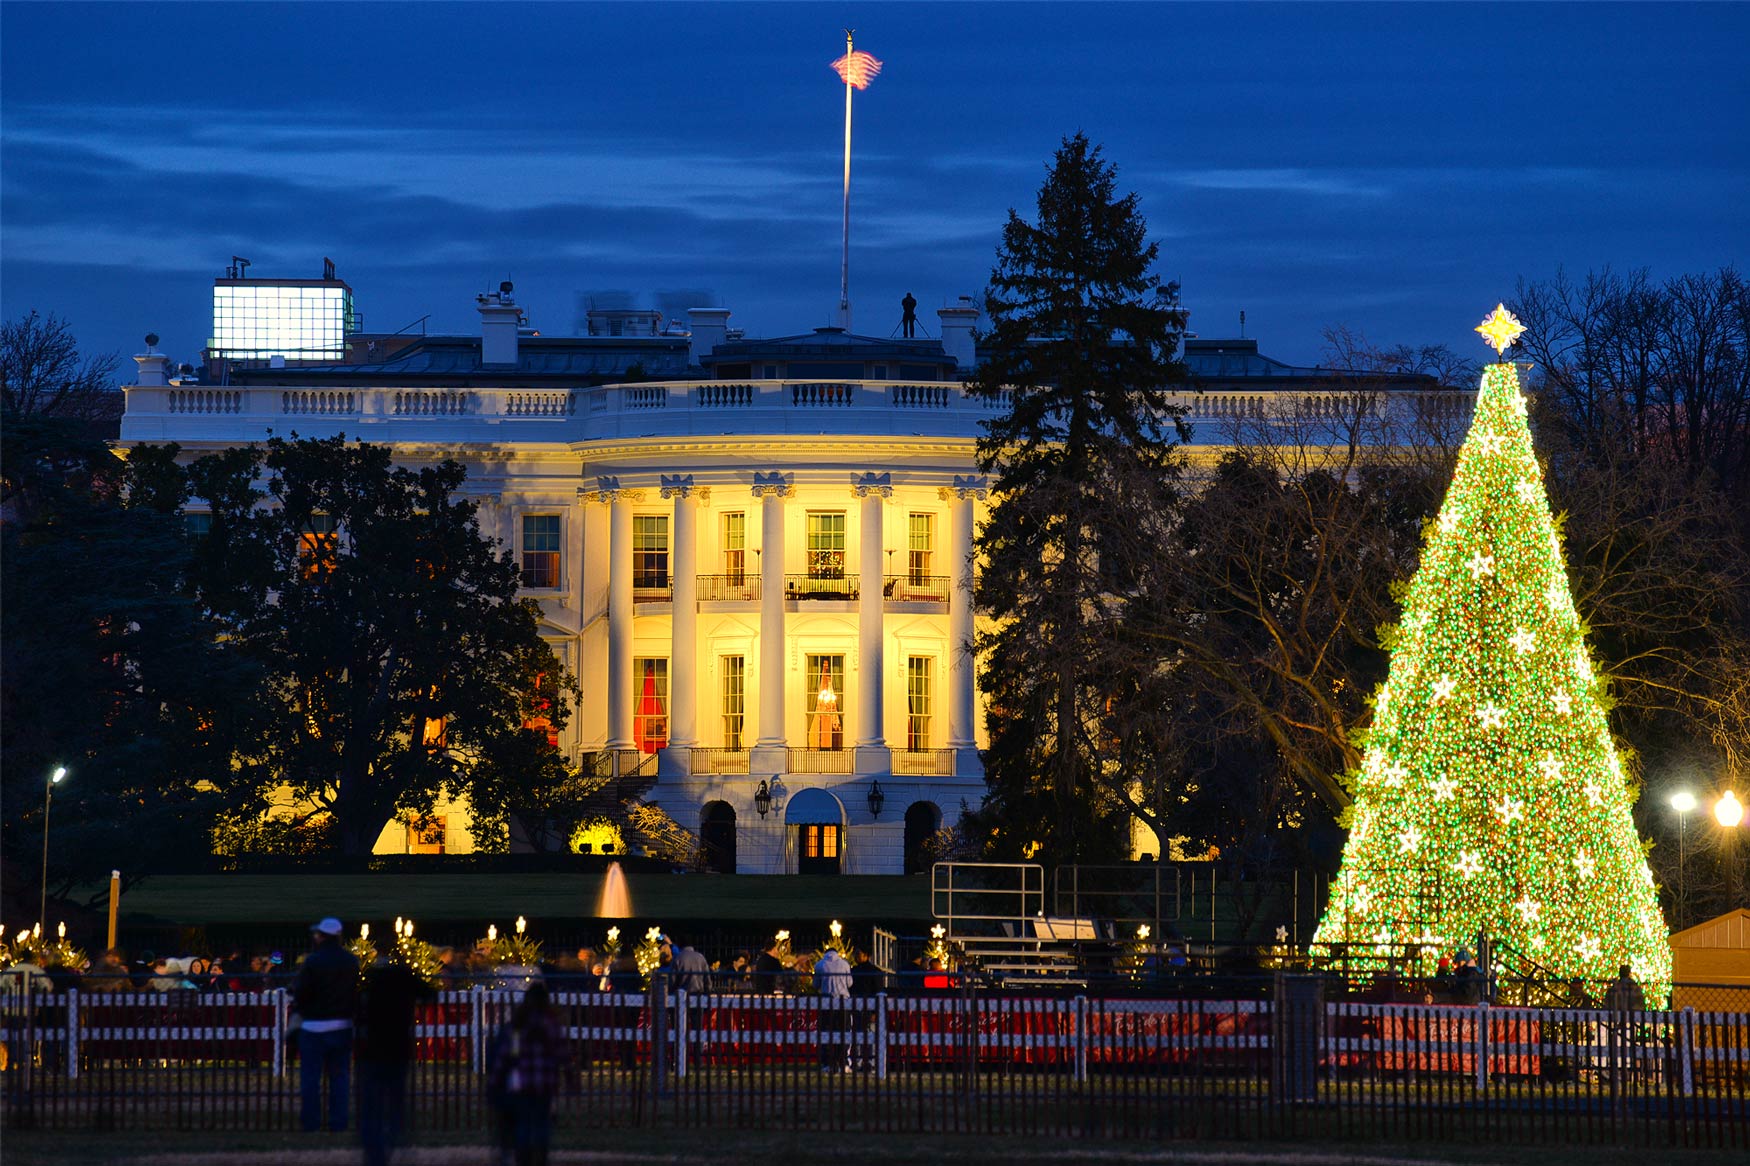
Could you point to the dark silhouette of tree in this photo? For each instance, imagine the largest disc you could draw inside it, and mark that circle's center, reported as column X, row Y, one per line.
column 43, row 373
column 1082, row 342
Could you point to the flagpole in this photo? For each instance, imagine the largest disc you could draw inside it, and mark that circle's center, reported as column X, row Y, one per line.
column 845, row 252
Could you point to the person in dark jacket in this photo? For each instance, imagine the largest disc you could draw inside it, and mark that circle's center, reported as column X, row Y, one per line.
column 769, row 971
column 867, row 982
column 528, row 1061
column 392, row 992
column 325, row 997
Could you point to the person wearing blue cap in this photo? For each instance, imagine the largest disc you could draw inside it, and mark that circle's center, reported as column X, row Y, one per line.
column 325, row 995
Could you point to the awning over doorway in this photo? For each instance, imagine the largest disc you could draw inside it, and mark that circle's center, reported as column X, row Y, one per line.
column 813, row 807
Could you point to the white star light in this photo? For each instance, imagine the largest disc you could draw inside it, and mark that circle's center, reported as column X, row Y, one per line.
column 1583, row 663
column 1593, row 794
column 1468, row 863
column 1491, row 442
column 1589, row 948
column 1563, row 702
column 1282, row 935
column 1409, row 840
column 1448, row 522
column 1585, row 864
column 1528, row 910
column 1443, row 788
column 1481, row 564
column 1523, row 641
column 1510, row 809
column 1527, row 491
column 1491, row 716
column 1363, row 900
column 1395, row 774
column 1444, row 687
column 1551, row 766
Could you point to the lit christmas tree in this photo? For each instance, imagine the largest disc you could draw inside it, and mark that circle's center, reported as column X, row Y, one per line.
column 1491, row 799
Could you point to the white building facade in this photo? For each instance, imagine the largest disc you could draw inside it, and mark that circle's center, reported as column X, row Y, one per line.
column 759, row 566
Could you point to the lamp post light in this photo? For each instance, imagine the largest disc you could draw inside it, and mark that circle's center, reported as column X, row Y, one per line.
column 1683, row 802
column 762, row 799
column 49, row 785
column 876, row 799
column 1729, row 813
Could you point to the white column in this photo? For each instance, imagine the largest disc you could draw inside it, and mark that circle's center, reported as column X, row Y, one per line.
column 962, row 706
column 768, row 754
column 872, row 756
column 683, row 673
column 619, row 615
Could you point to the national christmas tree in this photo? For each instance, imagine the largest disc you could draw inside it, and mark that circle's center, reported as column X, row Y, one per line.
column 1491, row 799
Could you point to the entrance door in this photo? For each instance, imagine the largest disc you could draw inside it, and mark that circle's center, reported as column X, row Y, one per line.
column 817, row 850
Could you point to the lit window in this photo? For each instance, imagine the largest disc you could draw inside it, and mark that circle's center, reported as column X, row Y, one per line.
column 917, row 702
column 735, row 546
column 318, row 545
column 826, row 545
column 734, row 700
column 826, row 722
column 427, row 835
column 540, row 550
column 820, row 842
column 650, row 703
column 650, row 550
column 920, row 547
column 540, row 718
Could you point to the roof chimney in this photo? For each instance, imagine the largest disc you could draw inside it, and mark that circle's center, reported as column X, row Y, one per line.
column 710, row 327
column 499, row 319
column 154, row 365
column 957, row 323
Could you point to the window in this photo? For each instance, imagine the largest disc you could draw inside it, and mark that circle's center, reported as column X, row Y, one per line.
column 318, row 545
column 734, row 700
column 197, row 524
column 434, row 732
column 826, row 724
column 427, row 835
column 920, row 553
column 540, row 550
column 650, row 703
column 826, row 545
column 650, row 550
column 917, row 702
column 820, row 842
column 540, row 718
column 735, row 546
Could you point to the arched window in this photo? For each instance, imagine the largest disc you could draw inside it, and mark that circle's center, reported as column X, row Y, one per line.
column 922, row 819
column 717, row 836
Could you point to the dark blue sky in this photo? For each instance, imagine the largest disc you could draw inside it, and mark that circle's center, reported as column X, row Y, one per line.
column 1391, row 168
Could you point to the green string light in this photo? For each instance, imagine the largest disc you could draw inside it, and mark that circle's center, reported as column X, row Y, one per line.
column 1490, row 799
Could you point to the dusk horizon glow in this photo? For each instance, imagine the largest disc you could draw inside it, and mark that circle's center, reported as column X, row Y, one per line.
column 1393, row 170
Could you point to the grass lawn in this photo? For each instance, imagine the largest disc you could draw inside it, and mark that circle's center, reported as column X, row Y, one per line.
column 201, row 900
column 629, row 1147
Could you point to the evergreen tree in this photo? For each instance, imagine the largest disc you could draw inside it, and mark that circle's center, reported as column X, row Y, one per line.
column 1082, row 344
column 1490, row 798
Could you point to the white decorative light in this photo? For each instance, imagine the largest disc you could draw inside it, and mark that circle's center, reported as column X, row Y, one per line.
column 1528, row 910
column 1563, row 702
column 1444, row 687
column 1395, row 774
column 1448, row 522
column 1593, row 794
column 1409, row 840
column 1522, row 640
column 1491, row 716
column 1481, row 564
column 1551, row 766
column 1589, row 948
column 1585, row 864
column 1443, row 788
column 1469, row 863
column 1511, row 809
column 1527, row 491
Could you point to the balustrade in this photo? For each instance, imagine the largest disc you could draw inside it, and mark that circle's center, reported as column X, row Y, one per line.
column 319, row 402
column 744, row 588
column 431, row 403
column 916, row 589
column 205, row 400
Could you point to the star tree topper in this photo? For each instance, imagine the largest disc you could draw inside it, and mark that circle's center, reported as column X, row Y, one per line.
column 1500, row 328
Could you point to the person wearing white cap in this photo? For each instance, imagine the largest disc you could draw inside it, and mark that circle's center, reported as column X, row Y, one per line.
column 325, row 995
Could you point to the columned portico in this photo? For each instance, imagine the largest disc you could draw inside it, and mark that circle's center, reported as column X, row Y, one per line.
column 962, row 702
column 770, row 754
column 683, row 723
column 873, row 755
column 619, row 612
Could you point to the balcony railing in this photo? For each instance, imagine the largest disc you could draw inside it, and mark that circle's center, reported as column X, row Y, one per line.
column 822, row 761
column 652, row 589
column 744, row 588
column 916, row 589
column 724, row 761
column 924, row 762
column 820, row 587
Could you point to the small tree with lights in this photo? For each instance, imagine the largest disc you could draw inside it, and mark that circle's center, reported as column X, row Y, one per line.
column 1491, row 800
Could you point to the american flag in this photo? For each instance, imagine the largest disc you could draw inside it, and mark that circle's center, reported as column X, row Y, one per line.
column 857, row 68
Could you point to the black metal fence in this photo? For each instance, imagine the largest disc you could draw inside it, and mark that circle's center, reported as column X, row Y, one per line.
column 1290, row 1063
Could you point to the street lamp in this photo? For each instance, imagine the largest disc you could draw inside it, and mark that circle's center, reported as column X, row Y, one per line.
column 1729, row 812
column 1683, row 802
column 49, row 785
